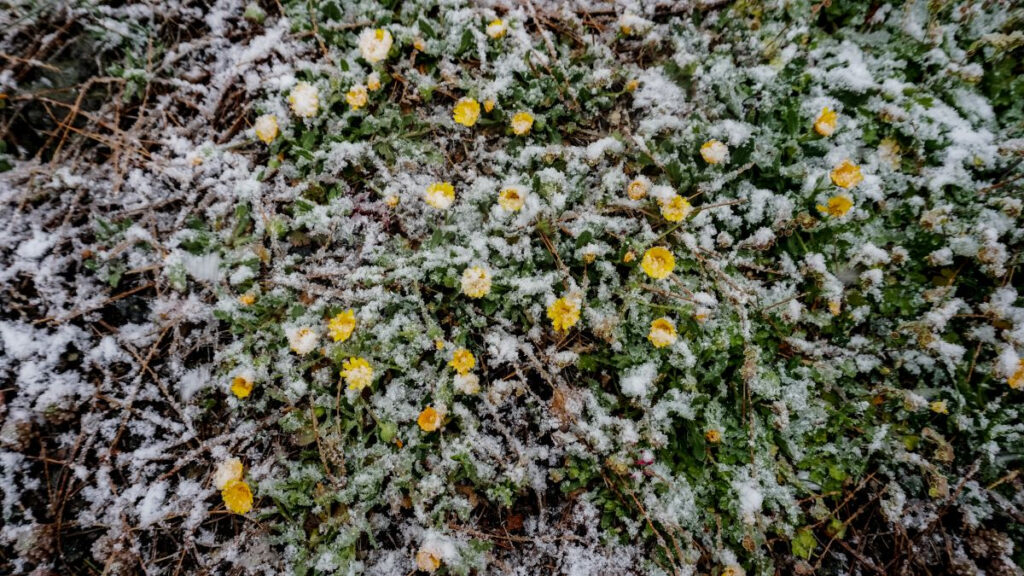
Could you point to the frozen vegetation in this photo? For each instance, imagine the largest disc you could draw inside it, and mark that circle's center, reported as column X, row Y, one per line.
column 586, row 287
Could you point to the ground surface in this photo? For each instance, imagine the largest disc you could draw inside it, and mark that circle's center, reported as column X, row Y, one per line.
column 635, row 288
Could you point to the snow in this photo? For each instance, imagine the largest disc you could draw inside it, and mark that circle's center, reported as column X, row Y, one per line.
column 131, row 383
column 637, row 381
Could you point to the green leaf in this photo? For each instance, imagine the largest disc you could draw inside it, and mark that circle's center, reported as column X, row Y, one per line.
column 804, row 544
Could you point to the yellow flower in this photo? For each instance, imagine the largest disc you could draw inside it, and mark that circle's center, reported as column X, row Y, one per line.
column 496, row 29
column 266, row 128
column 564, row 313
column 419, row 44
column 373, row 82
column 357, row 372
column 467, row 383
column 242, row 384
column 658, row 262
column 374, row 45
column 713, row 436
column 939, row 407
column 476, row 282
column 638, row 188
column 629, row 257
column 463, row 361
column 511, row 199
column 466, row 112
column 227, row 471
column 488, row 105
column 302, row 340
column 428, row 559
column 826, row 122
column 440, row 195
column 676, row 208
column 439, row 344
column 663, row 333
column 305, row 100
column 846, row 175
column 632, row 85
column 429, row 420
column 889, row 153
column 247, row 299
column 391, row 200
column 237, row 496
column 835, row 306
column 357, row 97
column 340, row 327
column 1016, row 380
column 521, row 123
column 837, row 206
column 714, row 152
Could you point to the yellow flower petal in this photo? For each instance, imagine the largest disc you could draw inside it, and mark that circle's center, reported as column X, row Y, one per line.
column 658, row 263
column 846, row 174
column 241, row 385
column 429, row 419
column 564, row 313
column 837, row 206
column 462, row 361
column 663, row 333
column 466, row 112
column 340, row 327
column 440, row 195
column 237, row 496
column 676, row 208
column 522, row 122
column 826, row 122
column 511, row 199
column 357, row 372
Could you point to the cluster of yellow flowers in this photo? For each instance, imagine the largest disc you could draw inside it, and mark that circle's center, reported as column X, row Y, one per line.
column 657, row 263
column 463, row 362
column 441, row 196
column 234, row 490
column 467, row 111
